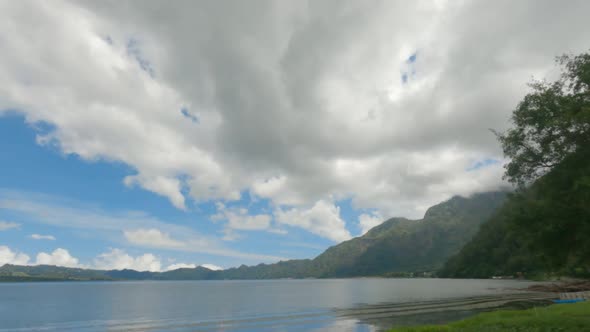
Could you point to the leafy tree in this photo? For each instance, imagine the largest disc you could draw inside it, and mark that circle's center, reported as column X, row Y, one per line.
column 544, row 227
column 550, row 123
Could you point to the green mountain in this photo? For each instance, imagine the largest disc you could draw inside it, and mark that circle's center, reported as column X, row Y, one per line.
column 541, row 230
column 396, row 246
column 402, row 245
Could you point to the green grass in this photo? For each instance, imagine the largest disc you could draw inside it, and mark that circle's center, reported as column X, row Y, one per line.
column 557, row 317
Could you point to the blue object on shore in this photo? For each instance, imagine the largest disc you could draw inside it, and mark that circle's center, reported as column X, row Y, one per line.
column 569, row 301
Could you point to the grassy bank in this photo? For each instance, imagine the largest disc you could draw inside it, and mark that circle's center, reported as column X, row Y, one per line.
column 558, row 317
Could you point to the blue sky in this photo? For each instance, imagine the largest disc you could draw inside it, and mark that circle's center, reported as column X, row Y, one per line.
column 51, row 181
column 45, row 176
column 140, row 135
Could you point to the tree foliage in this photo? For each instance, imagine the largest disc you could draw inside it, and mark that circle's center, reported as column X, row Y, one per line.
column 543, row 228
column 550, row 123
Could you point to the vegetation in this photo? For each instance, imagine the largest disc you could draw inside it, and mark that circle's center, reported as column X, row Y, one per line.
column 558, row 317
column 542, row 230
column 402, row 245
column 550, row 123
column 48, row 273
column 544, row 227
column 397, row 247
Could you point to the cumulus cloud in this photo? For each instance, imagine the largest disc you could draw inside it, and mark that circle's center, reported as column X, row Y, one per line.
column 212, row 267
column 7, row 256
column 152, row 237
column 6, row 225
column 301, row 103
column 368, row 221
column 322, row 219
column 114, row 259
column 239, row 219
column 117, row 259
column 59, row 257
column 176, row 266
column 42, row 237
column 138, row 228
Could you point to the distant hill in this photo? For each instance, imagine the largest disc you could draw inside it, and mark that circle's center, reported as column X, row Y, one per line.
column 396, row 246
column 10, row 272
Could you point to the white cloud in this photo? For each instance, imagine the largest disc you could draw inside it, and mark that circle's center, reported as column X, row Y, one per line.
column 117, row 259
column 322, row 219
column 368, row 221
column 7, row 256
column 298, row 103
column 277, row 188
column 42, row 237
column 6, row 225
column 141, row 227
column 59, row 257
column 114, row 259
column 152, row 237
column 176, row 266
column 167, row 186
column 241, row 219
column 212, row 267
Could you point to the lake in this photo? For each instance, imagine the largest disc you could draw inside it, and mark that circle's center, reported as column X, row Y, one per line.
column 265, row 305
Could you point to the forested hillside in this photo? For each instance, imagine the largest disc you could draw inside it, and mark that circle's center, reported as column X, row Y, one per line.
column 544, row 229
column 402, row 245
column 545, row 226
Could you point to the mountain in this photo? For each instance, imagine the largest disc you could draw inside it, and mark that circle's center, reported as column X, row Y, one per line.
column 402, row 245
column 541, row 230
column 396, row 246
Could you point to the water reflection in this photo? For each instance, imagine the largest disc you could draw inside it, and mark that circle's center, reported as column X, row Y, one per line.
column 357, row 305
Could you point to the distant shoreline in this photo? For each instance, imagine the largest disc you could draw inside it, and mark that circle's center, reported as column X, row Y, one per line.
column 26, row 279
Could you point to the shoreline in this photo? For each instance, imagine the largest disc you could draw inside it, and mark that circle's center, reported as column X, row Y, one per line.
column 448, row 311
column 387, row 316
column 33, row 279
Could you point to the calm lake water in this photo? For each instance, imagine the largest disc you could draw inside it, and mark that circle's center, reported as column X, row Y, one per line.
column 269, row 305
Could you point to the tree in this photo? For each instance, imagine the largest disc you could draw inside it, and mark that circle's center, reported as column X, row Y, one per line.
column 544, row 227
column 550, row 123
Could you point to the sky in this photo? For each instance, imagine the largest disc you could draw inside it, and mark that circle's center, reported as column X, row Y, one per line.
column 154, row 135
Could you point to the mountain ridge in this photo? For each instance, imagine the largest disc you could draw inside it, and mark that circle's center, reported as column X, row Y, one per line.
column 398, row 245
